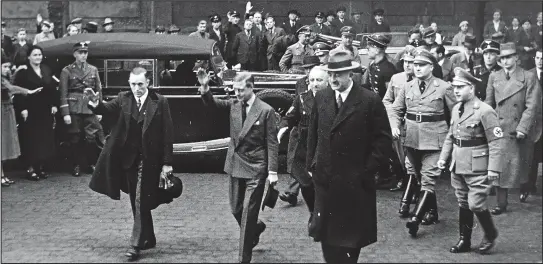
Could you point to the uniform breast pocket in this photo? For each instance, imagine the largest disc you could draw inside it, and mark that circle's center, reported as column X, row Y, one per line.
column 436, row 102
column 479, row 160
column 90, row 81
column 409, row 102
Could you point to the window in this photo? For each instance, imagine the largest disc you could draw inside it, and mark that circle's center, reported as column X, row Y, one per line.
column 118, row 71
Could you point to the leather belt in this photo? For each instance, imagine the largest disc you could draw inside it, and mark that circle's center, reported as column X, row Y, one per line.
column 464, row 143
column 425, row 118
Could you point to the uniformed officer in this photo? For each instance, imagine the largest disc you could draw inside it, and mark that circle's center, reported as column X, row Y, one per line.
column 322, row 50
column 319, row 27
column 346, row 44
column 409, row 184
column 82, row 123
column 160, row 30
column 380, row 70
column 294, row 56
column 491, row 50
column 475, row 142
column 297, row 119
column 231, row 29
column 425, row 102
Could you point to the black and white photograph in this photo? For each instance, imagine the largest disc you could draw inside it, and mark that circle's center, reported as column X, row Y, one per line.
column 271, row 131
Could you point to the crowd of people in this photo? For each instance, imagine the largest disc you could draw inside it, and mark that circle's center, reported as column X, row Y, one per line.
column 476, row 114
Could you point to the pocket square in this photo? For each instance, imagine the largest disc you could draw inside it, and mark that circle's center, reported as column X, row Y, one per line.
column 257, row 123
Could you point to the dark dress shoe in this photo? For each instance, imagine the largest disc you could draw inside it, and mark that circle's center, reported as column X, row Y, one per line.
column 498, row 210
column 32, row 175
column 132, row 254
column 149, row 244
column 289, row 198
column 261, row 228
column 76, row 171
column 524, row 196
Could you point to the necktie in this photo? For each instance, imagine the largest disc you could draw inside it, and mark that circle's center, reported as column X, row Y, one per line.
column 339, row 101
column 139, row 104
column 291, row 24
column 409, row 78
column 244, row 112
column 422, row 86
column 461, row 110
column 273, row 31
column 470, row 64
column 507, row 77
column 248, row 33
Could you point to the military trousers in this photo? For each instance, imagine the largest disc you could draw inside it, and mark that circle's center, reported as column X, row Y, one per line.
column 86, row 138
column 425, row 164
column 471, row 191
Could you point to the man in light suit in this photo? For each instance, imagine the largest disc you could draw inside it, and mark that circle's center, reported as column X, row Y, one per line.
column 138, row 154
column 201, row 30
column 252, row 155
column 246, row 47
column 348, row 140
column 269, row 41
column 294, row 56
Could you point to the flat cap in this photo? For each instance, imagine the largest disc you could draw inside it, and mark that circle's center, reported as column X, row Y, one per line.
column 320, row 14
column 77, row 21
column 303, row 30
column 428, row 32
column 463, row 77
column 173, row 28
column 321, row 48
column 84, row 45
column 107, row 21
column 347, row 31
column 341, row 8
column 378, row 40
column 423, row 56
column 490, row 45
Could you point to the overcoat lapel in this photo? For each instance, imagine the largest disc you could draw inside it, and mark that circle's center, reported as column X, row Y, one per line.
column 513, row 86
column 349, row 106
column 150, row 111
column 127, row 107
column 252, row 116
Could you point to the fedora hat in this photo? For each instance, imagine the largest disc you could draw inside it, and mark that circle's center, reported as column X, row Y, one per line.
column 310, row 61
column 271, row 197
column 469, row 42
column 507, row 49
column 107, row 21
column 341, row 61
column 165, row 196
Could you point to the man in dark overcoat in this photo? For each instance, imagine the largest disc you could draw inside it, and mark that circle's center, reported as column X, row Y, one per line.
column 231, row 29
column 349, row 138
column 137, row 155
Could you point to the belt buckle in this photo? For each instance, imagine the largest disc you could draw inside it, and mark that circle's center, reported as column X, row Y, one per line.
column 458, row 142
column 418, row 118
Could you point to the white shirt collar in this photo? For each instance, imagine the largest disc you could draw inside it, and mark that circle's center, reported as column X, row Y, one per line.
column 250, row 103
column 441, row 62
column 538, row 72
column 345, row 93
column 142, row 98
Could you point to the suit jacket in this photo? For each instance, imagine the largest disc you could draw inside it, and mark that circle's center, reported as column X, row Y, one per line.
column 246, row 47
column 489, row 29
column 339, row 24
column 157, row 146
column 198, row 35
column 437, row 99
column 270, row 43
column 447, row 70
column 253, row 148
column 344, row 150
column 325, row 30
column 221, row 39
column 478, row 121
column 297, row 119
column 289, row 29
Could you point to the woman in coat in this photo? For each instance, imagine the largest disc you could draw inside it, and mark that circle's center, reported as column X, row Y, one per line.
column 37, row 133
column 458, row 39
column 513, row 34
column 526, row 46
column 10, row 139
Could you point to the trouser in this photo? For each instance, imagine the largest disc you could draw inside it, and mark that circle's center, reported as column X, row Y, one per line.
column 86, row 138
column 293, row 187
column 425, row 164
column 530, row 185
column 339, row 255
column 501, row 196
column 143, row 229
column 471, row 191
column 245, row 199
column 308, row 193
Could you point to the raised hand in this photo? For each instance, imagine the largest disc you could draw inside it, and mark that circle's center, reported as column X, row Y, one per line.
column 203, row 78
column 248, row 7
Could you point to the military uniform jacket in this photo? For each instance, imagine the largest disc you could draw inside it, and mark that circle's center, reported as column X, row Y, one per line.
column 294, row 56
column 73, row 81
column 297, row 119
column 479, row 121
column 378, row 75
column 483, row 73
column 353, row 50
column 437, row 99
column 321, row 29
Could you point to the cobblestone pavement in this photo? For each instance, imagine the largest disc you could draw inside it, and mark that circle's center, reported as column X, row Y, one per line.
column 61, row 220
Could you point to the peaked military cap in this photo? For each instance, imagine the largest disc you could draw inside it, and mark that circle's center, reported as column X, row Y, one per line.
column 463, row 77
column 77, row 21
column 107, row 21
column 378, row 40
column 304, row 29
column 46, row 23
column 92, row 27
column 320, row 14
column 348, row 31
column 469, row 42
column 490, row 45
column 321, row 48
column 310, row 61
column 215, row 18
column 3, row 23
column 84, row 45
column 378, row 12
column 423, row 56
column 160, row 29
column 173, row 28
column 428, row 32
column 341, row 8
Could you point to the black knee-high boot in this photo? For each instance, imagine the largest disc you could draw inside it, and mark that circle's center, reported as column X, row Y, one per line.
column 420, row 210
column 465, row 224
column 491, row 233
column 410, row 189
column 431, row 216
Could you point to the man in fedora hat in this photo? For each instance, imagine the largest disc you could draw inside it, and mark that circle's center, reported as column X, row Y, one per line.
column 108, row 25
column 397, row 82
column 475, row 132
column 83, row 126
column 343, row 154
column 346, row 44
column 319, row 27
column 46, row 32
column 378, row 24
column 491, row 50
column 466, row 58
column 292, row 26
column 138, row 156
column 425, row 103
column 294, row 56
column 252, row 155
column 516, row 96
column 297, row 120
column 322, row 51
column 429, row 36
